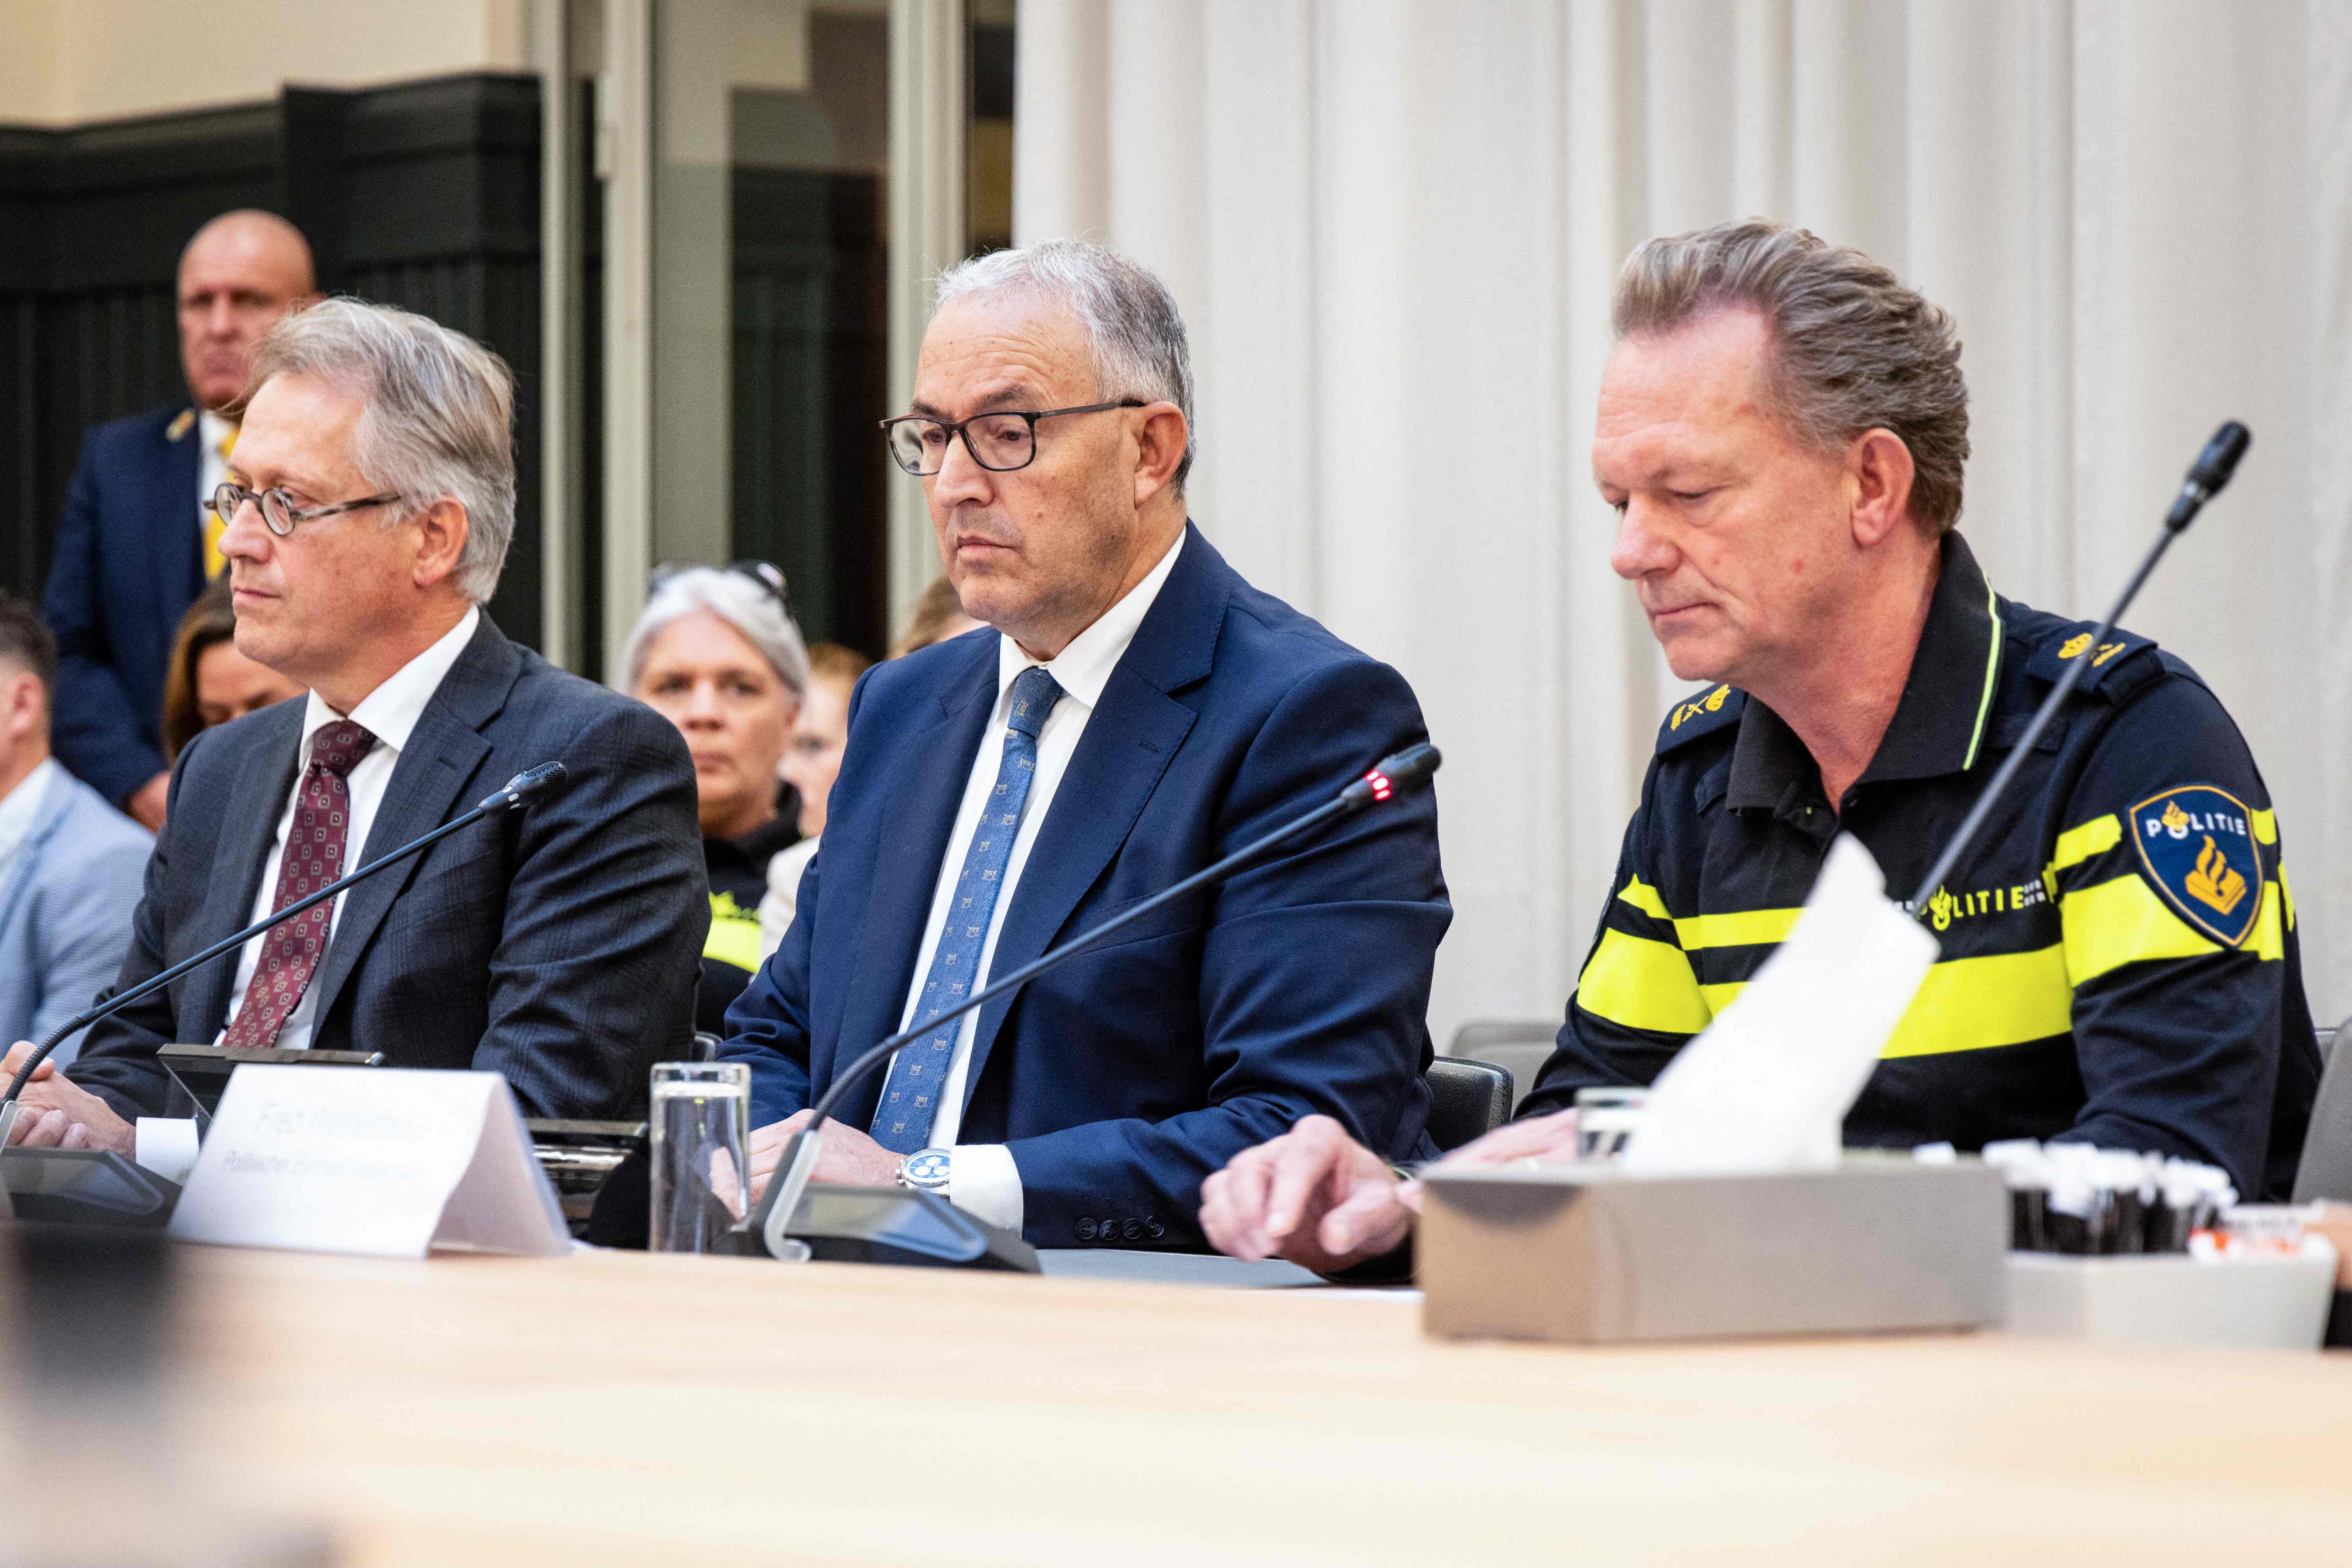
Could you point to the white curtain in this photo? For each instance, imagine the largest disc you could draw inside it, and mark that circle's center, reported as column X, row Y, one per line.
column 1393, row 225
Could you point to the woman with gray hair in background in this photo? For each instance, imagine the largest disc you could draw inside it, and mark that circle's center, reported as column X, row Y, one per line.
column 716, row 655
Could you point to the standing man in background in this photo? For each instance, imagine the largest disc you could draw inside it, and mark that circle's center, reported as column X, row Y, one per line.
column 140, row 540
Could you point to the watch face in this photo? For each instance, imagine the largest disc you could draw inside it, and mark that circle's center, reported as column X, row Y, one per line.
column 927, row 1167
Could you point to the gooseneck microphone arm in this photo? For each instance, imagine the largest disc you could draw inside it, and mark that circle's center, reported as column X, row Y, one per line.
column 2207, row 476
column 519, row 790
column 1404, row 774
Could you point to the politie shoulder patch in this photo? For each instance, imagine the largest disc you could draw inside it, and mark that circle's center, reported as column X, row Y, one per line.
column 2197, row 844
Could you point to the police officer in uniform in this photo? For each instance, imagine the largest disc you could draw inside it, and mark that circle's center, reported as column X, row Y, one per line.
column 1782, row 429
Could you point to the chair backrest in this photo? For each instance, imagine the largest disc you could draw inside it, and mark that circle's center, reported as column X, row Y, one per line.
column 1467, row 1100
column 2326, row 1168
column 1520, row 1046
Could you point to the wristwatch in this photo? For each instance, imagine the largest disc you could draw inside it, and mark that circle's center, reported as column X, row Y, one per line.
column 925, row 1170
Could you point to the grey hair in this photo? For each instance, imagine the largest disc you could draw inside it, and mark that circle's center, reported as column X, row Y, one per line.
column 734, row 598
column 1130, row 319
column 1853, row 348
column 437, row 417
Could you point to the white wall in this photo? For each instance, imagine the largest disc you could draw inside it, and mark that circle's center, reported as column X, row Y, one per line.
column 1393, row 225
column 64, row 61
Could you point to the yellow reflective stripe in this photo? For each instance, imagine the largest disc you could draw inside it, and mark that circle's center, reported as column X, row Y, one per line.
column 2265, row 828
column 1975, row 1004
column 2123, row 921
column 2286, row 894
column 1642, row 984
column 1644, row 898
column 2077, row 845
column 734, row 936
column 2269, row 942
column 1718, row 997
column 1747, row 928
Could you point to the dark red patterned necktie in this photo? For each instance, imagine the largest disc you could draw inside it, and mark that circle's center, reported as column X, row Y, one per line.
column 313, row 857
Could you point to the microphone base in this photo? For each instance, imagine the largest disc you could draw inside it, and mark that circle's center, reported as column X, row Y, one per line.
column 85, row 1186
column 903, row 1228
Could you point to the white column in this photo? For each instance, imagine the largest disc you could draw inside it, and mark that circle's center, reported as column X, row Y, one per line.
column 927, row 236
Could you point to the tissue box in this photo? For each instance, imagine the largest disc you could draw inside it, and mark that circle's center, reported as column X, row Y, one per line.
column 1588, row 1255
column 2176, row 1300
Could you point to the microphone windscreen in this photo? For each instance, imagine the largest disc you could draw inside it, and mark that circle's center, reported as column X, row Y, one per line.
column 2219, row 461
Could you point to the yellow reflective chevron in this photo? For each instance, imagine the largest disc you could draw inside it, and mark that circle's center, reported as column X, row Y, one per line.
column 734, row 936
column 2077, row 845
column 2286, row 895
column 2123, row 921
column 1975, row 1004
column 1642, row 984
column 1644, row 898
column 2269, row 941
column 2265, row 826
column 1747, row 928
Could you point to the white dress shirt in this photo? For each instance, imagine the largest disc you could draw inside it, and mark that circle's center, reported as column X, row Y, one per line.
column 984, row 1180
column 212, row 469
column 390, row 713
column 21, row 805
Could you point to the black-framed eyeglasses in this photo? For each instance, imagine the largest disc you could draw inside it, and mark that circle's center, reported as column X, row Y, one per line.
column 278, row 512
column 999, row 442
column 768, row 577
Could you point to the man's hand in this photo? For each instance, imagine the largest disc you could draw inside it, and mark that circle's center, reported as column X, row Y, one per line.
column 1314, row 1196
column 1318, row 1198
column 146, row 803
column 55, row 1114
column 849, row 1157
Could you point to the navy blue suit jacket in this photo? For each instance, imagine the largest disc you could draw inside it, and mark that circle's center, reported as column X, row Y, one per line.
column 558, row 944
column 1125, row 1077
column 129, row 561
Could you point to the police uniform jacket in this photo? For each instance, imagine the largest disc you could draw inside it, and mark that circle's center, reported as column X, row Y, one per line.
column 2119, row 960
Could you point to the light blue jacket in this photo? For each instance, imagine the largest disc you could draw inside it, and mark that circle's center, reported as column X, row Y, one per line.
column 67, row 894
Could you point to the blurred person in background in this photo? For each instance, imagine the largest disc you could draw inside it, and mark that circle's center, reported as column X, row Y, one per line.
column 208, row 682
column 715, row 654
column 140, row 539
column 70, row 865
column 938, row 615
column 812, row 762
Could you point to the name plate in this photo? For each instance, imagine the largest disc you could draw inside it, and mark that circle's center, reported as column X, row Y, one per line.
column 394, row 1163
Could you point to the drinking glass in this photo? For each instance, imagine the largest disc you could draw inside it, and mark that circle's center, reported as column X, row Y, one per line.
column 701, row 1140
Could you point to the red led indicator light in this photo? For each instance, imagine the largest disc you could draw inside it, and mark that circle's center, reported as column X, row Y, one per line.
column 1381, row 788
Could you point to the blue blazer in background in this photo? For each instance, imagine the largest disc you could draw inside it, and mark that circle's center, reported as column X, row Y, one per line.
column 1125, row 1077
column 67, row 896
column 129, row 561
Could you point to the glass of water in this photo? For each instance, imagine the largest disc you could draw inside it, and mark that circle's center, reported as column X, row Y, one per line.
column 701, row 1140
column 1606, row 1119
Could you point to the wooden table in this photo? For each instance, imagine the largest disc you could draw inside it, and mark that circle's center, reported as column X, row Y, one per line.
column 612, row 1408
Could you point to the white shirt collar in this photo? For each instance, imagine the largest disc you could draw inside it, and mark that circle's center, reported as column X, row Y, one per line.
column 213, row 430
column 390, row 712
column 1083, row 668
column 21, row 804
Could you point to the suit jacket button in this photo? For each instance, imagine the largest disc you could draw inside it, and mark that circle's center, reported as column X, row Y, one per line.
column 1086, row 1230
column 1154, row 1229
column 1132, row 1230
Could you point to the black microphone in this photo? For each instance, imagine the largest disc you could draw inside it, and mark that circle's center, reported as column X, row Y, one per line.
column 1405, row 772
column 2206, row 479
column 518, row 791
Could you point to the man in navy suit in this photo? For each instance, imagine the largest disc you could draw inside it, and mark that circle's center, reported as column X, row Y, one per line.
column 139, row 541
column 1137, row 712
column 370, row 504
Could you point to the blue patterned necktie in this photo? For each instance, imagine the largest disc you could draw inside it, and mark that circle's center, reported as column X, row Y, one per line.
column 910, row 1097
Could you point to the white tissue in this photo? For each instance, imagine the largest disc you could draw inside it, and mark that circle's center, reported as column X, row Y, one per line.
column 1767, row 1086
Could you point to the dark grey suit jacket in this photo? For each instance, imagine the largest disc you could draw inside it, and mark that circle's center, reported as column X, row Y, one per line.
column 556, row 944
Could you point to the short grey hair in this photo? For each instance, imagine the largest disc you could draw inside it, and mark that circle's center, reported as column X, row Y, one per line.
column 1853, row 349
column 1132, row 326
column 437, row 420
column 742, row 604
